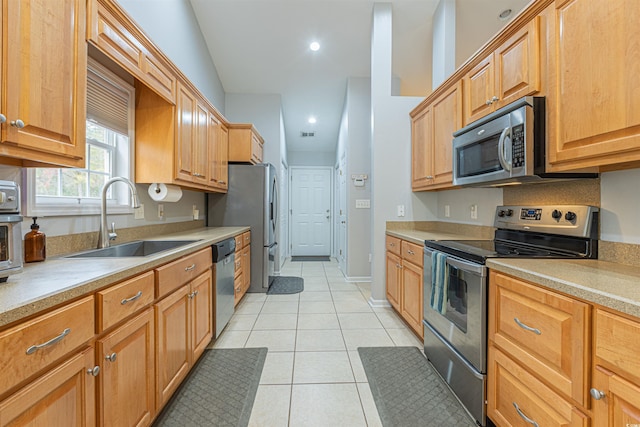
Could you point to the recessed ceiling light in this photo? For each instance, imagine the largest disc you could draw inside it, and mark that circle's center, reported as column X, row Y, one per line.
column 315, row 46
column 505, row 14
column 312, row 120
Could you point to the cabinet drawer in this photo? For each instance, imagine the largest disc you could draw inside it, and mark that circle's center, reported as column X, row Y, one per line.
column 246, row 238
column 393, row 245
column 617, row 344
column 29, row 347
column 545, row 331
column 171, row 276
column 237, row 285
column 412, row 253
column 119, row 301
column 513, row 394
column 239, row 242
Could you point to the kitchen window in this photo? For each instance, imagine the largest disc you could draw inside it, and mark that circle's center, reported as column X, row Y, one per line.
column 109, row 153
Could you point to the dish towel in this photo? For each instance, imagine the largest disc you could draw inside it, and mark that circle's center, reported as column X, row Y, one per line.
column 439, row 282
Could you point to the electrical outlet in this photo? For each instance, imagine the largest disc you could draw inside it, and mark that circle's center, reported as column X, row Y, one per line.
column 474, row 211
column 138, row 213
column 196, row 212
column 369, row 257
column 447, row 211
column 400, row 210
column 161, row 211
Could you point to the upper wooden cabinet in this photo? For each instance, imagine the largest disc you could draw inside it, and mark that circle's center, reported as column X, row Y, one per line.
column 510, row 72
column 245, row 143
column 218, row 154
column 44, row 82
column 595, row 118
column 116, row 35
column 192, row 119
column 432, row 129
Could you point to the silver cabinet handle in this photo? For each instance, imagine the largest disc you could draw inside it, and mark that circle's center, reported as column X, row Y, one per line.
column 192, row 295
column 488, row 102
column 222, row 182
column 52, row 341
column 597, row 394
column 494, row 99
column 392, row 244
column 429, row 176
column 197, row 175
column 17, row 124
column 3, row 118
column 527, row 328
column 133, row 298
column 94, row 371
column 524, row 417
column 111, row 357
column 191, row 267
column 410, row 252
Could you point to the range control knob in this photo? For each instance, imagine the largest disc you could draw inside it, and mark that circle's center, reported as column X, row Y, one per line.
column 501, row 213
column 509, row 212
column 556, row 214
column 570, row 216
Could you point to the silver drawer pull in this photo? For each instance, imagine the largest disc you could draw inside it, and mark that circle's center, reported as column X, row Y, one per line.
column 133, row 298
column 191, row 267
column 410, row 252
column 94, row 371
column 392, row 244
column 222, row 182
column 525, row 327
column 111, row 357
column 52, row 341
column 524, row 417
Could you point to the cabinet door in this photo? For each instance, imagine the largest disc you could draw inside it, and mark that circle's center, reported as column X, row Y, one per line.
column 595, row 119
column 478, row 91
column 200, row 146
column 518, row 65
column 394, row 264
column 126, row 384
column 447, row 118
column 62, row 397
column 201, row 313
column 44, row 98
column 422, row 149
column 173, row 346
column 620, row 406
column 411, row 296
column 185, row 137
column 246, row 266
column 223, row 157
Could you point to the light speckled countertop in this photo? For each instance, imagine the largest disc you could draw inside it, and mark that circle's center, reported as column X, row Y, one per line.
column 57, row 280
column 611, row 285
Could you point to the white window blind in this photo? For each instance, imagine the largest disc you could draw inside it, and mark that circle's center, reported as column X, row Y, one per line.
column 107, row 104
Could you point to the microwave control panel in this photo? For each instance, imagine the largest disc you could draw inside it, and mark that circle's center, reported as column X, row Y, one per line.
column 517, row 142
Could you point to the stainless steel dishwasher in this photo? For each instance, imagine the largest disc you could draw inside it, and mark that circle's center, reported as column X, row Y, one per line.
column 223, row 259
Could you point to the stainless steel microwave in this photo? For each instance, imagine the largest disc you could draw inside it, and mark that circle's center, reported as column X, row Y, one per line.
column 507, row 146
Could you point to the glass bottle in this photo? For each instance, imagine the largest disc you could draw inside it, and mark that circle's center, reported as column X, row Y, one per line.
column 35, row 244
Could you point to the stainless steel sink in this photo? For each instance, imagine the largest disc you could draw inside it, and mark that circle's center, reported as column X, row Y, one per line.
column 134, row 249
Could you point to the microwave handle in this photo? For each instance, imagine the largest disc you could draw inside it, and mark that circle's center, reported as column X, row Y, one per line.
column 506, row 165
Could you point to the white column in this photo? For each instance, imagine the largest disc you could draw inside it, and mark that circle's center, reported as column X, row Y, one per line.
column 444, row 42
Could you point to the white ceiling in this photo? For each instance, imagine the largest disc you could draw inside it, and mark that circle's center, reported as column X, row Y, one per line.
column 262, row 47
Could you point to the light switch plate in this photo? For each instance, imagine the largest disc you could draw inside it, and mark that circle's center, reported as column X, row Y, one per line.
column 363, row 203
column 400, row 210
column 161, row 211
column 138, row 213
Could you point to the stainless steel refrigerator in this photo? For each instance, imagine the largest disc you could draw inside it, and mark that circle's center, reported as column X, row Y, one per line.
column 252, row 199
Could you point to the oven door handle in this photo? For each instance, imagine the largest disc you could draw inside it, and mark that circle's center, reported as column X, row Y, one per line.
column 471, row 267
column 506, row 164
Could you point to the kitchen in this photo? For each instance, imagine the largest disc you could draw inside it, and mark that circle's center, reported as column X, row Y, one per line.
column 618, row 207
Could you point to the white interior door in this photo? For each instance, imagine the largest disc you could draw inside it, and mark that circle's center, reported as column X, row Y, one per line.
column 310, row 211
column 342, row 216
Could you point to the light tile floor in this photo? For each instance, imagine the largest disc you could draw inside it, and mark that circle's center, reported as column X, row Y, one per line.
column 313, row 375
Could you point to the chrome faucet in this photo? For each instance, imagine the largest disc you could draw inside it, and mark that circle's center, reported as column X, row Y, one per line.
column 104, row 239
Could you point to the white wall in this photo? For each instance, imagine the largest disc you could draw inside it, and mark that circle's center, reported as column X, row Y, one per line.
column 390, row 151
column 173, row 27
column 444, row 42
column 460, row 201
column 311, row 158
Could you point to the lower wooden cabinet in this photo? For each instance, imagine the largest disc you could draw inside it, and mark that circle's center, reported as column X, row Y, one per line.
column 517, row 398
column 183, row 330
column 404, row 281
column 126, row 383
column 64, row 396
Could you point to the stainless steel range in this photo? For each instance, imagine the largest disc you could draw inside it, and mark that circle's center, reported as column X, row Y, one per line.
column 455, row 286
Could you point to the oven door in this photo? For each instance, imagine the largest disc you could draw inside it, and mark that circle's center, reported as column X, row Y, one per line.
column 10, row 245
column 462, row 321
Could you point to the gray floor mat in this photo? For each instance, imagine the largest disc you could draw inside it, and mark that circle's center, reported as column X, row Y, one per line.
column 310, row 258
column 219, row 391
column 282, row 285
column 407, row 391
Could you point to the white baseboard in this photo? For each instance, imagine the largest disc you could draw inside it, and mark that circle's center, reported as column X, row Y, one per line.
column 358, row 279
column 378, row 303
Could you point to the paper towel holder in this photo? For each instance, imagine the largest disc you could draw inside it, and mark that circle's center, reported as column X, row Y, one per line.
column 157, row 190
